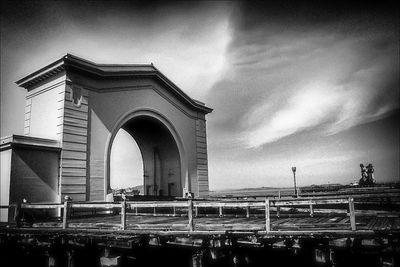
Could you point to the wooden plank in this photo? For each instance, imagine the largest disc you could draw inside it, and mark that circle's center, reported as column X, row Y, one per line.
column 78, row 124
column 201, row 139
column 157, row 204
column 201, row 144
column 73, row 163
column 78, row 121
column 308, row 202
column 74, row 146
column 73, row 172
column 96, row 205
column 201, row 155
column 41, row 206
column 202, row 167
column 200, row 133
column 202, row 172
column 75, row 114
column 73, row 189
column 75, row 130
column 67, row 137
column 201, row 150
column 201, row 161
column 73, row 180
column 73, row 154
column 228, row 204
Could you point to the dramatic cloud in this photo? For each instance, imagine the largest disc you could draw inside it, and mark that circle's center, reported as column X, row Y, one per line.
column 306, row 68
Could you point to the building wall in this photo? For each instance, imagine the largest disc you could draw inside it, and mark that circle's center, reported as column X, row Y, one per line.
column 74, row 175
column 111, row 101
column 44, row 109
column 104, row 117
column 83, row 114
column 5, row 183
column 34, row 175
column 202, row 158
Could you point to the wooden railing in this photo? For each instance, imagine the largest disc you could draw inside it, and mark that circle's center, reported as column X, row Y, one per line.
column 364, row 192
column 191, row 206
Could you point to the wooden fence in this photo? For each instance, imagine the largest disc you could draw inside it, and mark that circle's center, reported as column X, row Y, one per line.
column 190, row 206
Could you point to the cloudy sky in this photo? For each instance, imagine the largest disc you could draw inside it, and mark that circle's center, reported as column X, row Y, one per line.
column 307, row 85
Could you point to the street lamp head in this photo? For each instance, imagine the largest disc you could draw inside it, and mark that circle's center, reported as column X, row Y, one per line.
column 293, row 169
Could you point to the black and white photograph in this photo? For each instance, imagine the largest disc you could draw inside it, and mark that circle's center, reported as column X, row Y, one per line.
column 199, row 133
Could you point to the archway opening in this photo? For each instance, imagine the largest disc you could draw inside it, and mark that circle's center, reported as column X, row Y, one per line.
column 161, row 173
column 126, row 164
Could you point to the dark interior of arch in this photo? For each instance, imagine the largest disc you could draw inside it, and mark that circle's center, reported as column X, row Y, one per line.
column 161, row 160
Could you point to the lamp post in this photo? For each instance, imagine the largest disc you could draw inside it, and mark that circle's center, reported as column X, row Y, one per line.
column 294, row 179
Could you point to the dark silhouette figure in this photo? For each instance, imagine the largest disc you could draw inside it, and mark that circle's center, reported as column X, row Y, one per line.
column 367, row 175
column 370, row 175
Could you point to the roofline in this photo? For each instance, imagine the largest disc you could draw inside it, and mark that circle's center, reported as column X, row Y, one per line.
column 14, row 140
column 71, row 62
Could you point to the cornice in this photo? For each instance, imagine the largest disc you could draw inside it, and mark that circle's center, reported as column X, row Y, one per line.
column 28, row 141
column 106, row 71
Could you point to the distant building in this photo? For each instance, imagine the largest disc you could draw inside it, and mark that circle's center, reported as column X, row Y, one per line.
column 74, row 108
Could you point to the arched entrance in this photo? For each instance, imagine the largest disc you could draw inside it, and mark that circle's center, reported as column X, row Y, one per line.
column 82, row 105
column 160, row 150
column 126, row 164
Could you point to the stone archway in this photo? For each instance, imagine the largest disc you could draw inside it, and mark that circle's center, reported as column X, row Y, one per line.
column 161, row 149
column 81, row 105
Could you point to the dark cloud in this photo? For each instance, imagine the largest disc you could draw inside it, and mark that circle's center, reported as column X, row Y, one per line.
column 278, row 45
column 311, row 13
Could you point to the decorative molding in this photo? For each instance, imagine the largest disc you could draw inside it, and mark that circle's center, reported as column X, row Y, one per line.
column 104, row 71
column 28, row 141
column 45, row 89
column 142, row 87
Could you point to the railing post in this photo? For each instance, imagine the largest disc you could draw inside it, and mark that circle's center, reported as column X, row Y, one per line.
column 352, row 214
column 267, row 218
column 278, row 208
column 174, row 211
column 248, row 212
column 220, row 211
column 190, row 215
column 65, row 214
column 123, row 214
column 311, row 210
column 17, row 214
column 196, row 211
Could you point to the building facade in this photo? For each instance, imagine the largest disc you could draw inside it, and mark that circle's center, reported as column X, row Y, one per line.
column 74, row 108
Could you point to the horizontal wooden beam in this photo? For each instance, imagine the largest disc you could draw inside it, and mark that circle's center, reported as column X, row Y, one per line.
column 41, row 206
